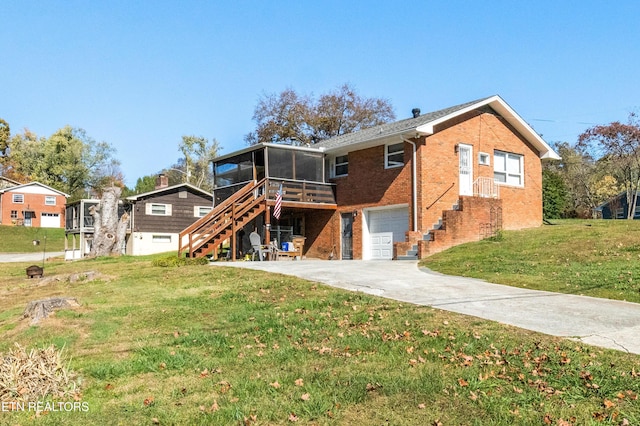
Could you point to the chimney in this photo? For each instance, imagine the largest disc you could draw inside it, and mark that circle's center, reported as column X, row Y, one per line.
column 415, row 112
column 162, row 181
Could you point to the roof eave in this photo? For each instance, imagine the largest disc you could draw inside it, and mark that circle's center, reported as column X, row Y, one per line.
column 500, row 106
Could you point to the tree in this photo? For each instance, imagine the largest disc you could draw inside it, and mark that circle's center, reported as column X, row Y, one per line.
column 109, row 231
column 554, row 194
column 618, row 146
column 68, row 160
column 295, row 119
column 198, row 153
column 5, row 133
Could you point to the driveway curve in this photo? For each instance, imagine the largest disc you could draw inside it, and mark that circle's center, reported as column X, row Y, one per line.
column 601, row 322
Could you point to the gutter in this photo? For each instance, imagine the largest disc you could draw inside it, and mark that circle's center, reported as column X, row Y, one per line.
column 414, row 185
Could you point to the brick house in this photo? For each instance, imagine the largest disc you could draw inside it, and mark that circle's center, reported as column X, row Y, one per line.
column 32, row 204
column 399, row 190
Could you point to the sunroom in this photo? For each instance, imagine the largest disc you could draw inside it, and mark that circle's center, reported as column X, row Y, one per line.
column 248, row 185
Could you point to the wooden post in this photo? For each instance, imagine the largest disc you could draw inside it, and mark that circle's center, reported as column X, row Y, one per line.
column 233, row 232
column 267, row 224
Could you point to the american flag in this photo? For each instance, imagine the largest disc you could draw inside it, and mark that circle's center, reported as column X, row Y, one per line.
column 277, row 210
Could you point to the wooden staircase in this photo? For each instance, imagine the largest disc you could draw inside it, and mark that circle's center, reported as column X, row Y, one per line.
column 206, row 235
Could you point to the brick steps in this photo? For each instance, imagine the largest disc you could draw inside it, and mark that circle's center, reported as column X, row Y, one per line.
column 472, row 219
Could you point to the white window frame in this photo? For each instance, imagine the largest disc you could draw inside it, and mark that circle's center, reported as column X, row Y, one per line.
column 201, row 211
column 18, row 198
column 509, row 175
column 484, row 159
column 161, row 239
column 391, row 163
column 335, row 164
column 49, row 200
column 150, row 207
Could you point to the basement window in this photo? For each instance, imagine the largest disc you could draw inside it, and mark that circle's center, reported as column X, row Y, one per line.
column 161, row 238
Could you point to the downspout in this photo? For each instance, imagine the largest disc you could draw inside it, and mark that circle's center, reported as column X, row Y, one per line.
column 414, row 185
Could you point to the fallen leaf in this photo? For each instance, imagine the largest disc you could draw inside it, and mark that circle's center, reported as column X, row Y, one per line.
column 608, row 403
column 299, row 382
column 422, row 406
column 214, row 407
column 275, row 384
column 305, row 397
column 293, row 417
column 463, row 382
column 148, row 401
column 155, row 421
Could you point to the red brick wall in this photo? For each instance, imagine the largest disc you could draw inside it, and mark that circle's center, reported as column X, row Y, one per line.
column 522, row 206
column 34, row 202
column 368, row 184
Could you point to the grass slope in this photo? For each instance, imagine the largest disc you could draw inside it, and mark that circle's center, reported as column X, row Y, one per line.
column 19, row 239
column 213, row 345
column 599, row 258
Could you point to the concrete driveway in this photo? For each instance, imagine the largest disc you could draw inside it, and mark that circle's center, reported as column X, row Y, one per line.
column 28, row 257
column 600, row 322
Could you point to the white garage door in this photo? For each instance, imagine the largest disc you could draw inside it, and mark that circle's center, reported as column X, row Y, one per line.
column 384, row 222
column 50, row 220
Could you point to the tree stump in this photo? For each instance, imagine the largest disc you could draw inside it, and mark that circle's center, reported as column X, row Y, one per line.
column 39, row 309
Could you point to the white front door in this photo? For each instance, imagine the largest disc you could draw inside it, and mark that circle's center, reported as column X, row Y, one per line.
column 465, row 156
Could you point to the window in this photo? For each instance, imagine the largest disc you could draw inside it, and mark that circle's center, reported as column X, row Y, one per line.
column 340, row 166
column 14, row 214
column 182, row 194
column 18, row 198
column 158, row 209
column 49, row 200
column 201, row 211
column 484, row 159
column 620, row 213
column 161, row 238
column 394, row 155
column 507, row 168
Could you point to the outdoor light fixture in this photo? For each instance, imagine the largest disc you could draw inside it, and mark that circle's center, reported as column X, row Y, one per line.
column 355, row 213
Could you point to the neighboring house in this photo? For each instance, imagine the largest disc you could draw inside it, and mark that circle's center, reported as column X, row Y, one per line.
column 32, row 204
column 399, row 190
column 616, row 208
column 157, row 217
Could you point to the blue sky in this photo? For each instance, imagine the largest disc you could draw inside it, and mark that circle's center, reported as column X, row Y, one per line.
column 140, row 74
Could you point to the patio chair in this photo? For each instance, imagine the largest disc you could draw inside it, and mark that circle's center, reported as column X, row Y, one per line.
column 258, row 248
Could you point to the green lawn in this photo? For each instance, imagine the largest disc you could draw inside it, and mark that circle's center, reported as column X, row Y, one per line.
column 213, row 345
column 599, row 258
column 19, row 239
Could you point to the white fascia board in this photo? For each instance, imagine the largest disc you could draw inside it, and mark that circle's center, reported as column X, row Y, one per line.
column 501, row 107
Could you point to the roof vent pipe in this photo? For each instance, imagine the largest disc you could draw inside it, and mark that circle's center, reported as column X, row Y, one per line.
column 415, row 112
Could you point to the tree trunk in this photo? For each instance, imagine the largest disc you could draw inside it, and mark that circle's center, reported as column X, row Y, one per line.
column 109, row 232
